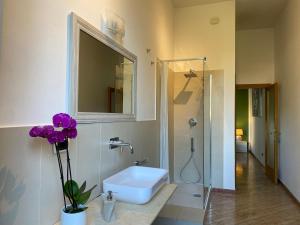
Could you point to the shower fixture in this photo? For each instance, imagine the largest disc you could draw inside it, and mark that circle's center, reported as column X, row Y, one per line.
column 190, row 74
column 191, row 160
column 193, row 122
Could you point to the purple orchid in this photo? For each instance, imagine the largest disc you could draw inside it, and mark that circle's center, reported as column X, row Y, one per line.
column 62, row 120
column 36, row 131
column 54, row 135
column 73, row 124
column 63, row 128
column 48, row 130
column 72, row 133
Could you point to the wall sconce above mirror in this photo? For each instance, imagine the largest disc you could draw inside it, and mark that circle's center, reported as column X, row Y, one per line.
column 102, row 76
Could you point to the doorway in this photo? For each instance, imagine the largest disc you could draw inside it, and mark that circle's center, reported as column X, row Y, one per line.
column 257, row 125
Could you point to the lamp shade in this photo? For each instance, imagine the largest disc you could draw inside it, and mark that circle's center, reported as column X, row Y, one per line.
column 239, row 132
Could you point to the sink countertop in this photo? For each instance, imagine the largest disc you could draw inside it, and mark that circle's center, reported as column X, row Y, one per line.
column 131, row 214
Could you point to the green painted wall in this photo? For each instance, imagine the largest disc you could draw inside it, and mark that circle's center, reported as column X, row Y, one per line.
column 242, row 111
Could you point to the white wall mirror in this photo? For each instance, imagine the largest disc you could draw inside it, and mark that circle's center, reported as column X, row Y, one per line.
column 102, row 76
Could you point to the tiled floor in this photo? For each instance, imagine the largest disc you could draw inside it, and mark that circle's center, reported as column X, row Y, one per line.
column 176, row 215
column 184, row 196
column 257, row 200
column 183, row 208
column 168, row 221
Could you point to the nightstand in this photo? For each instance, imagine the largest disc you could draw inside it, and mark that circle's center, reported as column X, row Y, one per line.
column 241, row 146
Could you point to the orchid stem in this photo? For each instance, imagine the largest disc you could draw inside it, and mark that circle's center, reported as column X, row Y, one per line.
column 61, row 174
column 69, row 175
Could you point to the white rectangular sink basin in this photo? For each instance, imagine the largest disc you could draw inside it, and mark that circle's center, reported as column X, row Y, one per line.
column 136, row 184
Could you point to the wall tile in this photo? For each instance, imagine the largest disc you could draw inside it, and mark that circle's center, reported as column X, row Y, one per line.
column 113, row 161
column 89, row 156
column 20, row 162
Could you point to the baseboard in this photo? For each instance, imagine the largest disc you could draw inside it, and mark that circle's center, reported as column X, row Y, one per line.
column 289, row 192
column 256, row 158
column 221, row 190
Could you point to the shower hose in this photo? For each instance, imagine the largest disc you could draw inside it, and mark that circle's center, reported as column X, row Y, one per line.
column 191, row 160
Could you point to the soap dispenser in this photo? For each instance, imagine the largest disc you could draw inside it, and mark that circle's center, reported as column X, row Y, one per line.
column 108, row 207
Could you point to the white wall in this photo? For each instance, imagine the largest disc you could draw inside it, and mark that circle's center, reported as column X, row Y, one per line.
column 195, row 36
column 257, row 130
column 287, row 48
column 33, row 62
column 255, row 56
column 33, row 67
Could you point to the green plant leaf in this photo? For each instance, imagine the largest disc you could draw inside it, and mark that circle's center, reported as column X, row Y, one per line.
column 71, row 188
column 84, row 197
column 82, row 188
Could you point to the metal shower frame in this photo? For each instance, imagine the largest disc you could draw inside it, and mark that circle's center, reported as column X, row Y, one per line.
column 204, row 59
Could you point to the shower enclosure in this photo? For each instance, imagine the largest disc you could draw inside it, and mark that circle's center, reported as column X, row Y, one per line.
column 186, row 130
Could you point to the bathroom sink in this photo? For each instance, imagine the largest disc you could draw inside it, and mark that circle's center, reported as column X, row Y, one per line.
column 136, row 184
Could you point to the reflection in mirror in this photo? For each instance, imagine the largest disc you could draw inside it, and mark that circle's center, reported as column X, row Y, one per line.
column 105, row 78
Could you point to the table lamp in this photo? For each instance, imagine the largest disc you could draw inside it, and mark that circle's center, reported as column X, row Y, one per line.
column 239, row 134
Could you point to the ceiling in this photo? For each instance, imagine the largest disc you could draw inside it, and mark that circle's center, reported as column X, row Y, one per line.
column 250, row 14
column 255, row 14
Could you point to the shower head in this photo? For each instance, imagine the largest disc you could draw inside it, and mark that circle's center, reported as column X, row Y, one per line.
column 191, row 74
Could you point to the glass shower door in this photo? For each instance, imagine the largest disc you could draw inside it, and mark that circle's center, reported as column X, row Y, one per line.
column 207, row 137
column 186, row 96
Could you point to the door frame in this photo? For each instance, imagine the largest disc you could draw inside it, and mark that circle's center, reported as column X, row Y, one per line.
column 248, row 86
column 266, row 86
column 269, row 172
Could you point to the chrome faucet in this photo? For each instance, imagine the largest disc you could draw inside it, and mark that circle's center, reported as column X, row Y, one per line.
column 117, row 143
column 140, row 163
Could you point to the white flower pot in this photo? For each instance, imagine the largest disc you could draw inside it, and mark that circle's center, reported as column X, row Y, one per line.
column 73, row 218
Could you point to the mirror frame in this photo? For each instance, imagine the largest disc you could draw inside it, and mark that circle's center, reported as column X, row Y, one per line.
column 76, row 25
